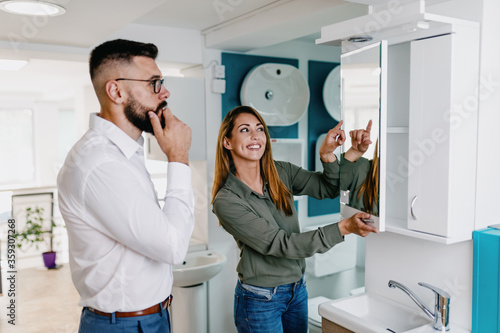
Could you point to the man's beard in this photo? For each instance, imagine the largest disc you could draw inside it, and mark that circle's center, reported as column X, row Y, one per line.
column 138, row 115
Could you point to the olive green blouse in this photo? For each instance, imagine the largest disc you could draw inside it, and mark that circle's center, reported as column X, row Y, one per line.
column 353, row 175
column 272, row 248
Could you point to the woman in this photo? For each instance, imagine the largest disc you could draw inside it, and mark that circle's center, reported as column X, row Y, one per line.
column 364, row 185
column 252, row 196
column 359, row 175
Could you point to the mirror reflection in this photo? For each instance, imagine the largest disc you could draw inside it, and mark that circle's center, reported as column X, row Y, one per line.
column 360, row 99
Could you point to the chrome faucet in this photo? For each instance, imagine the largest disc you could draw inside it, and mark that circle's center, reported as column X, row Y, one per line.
column 441, row 306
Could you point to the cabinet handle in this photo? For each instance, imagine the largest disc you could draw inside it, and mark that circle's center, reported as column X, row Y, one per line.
column 411, row 207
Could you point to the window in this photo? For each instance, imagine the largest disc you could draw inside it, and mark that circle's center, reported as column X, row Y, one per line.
column 16, row 148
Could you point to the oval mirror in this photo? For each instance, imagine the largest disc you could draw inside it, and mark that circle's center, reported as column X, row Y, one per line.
column 331, row 93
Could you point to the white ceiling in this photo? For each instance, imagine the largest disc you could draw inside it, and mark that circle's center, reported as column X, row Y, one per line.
column 232, row 25
column 86, row 23
column 89, row 22
column 202, row 14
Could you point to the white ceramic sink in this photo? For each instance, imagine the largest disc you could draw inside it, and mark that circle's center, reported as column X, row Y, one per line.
column 198, row 267
column 371, row 313
column 278, row 91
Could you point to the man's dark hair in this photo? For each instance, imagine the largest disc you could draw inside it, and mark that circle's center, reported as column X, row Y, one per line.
column 121, row 50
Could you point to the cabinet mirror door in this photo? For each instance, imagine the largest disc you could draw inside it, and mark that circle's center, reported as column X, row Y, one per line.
column 363, row 107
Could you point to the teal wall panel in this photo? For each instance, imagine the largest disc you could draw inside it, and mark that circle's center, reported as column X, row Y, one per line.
column 319, row 122
column 486, row 281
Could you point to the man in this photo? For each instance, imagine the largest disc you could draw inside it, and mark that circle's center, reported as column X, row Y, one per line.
column 121, row 243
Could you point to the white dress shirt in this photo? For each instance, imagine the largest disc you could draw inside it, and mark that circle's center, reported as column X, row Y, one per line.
column 121, row 243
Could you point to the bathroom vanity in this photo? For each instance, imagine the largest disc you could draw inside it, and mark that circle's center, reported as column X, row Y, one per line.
column 331, row 327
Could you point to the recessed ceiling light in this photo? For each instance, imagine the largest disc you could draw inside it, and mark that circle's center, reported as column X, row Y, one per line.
column 32, row 7
column 360, row 39
column 11, row 65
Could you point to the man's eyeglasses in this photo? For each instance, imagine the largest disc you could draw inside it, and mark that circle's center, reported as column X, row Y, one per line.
column 155, row 83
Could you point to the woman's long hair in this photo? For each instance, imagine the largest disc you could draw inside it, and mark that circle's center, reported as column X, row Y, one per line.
column 369, row 188
column 279, row 193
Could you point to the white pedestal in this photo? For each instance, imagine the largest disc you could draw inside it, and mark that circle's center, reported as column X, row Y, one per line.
column 189, row 309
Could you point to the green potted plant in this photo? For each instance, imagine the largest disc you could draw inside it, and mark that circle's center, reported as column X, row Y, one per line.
column 33, row 234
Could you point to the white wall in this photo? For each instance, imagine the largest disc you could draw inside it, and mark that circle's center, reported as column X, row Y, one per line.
column 488, row 158
column 175, row 45
column 46, row 138
column 85, row 103
column 409, row 261
column 463, row 9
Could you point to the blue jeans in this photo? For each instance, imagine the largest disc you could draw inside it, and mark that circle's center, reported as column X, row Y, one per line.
column 271, row 310
column 153, row 323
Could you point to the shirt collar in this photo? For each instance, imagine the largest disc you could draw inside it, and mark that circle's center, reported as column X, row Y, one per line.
column 240, row 188
column 125, row 143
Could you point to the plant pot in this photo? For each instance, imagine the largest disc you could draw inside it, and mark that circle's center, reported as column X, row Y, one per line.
column 49, row 259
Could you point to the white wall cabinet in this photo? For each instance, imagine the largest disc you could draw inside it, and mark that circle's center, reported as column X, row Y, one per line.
column 433, row 80
column 442, row 133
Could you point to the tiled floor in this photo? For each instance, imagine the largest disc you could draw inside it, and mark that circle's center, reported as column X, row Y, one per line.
column 46, row 302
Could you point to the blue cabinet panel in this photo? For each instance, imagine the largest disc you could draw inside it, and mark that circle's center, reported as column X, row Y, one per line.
column 486, row 281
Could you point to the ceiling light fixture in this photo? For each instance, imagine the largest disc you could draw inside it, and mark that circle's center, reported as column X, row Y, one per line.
column 360, row 39
column 32, row 7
